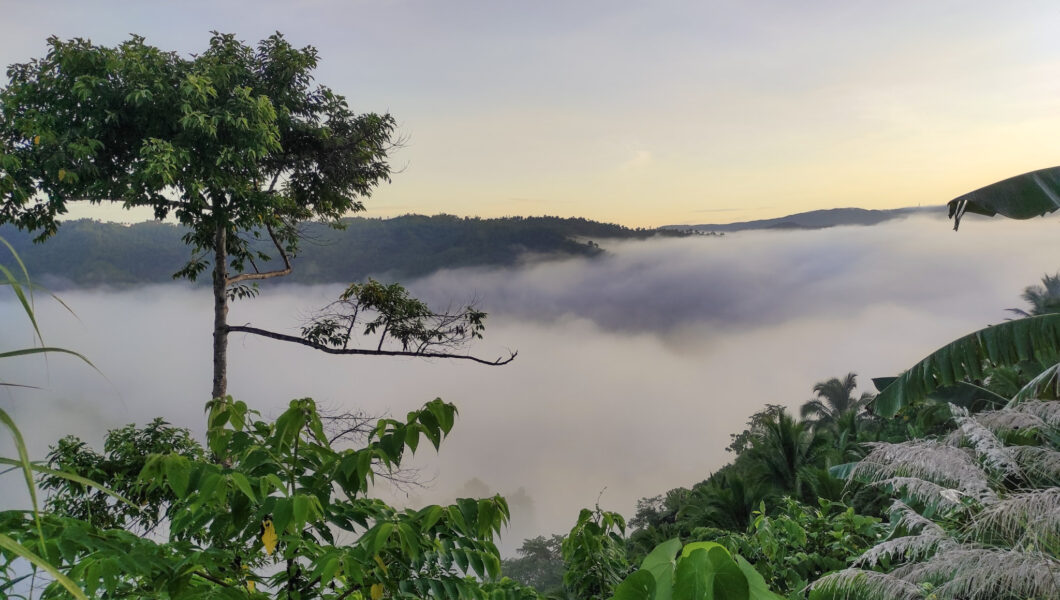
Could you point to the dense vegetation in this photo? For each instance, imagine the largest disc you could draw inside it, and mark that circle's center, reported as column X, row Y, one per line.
column 961, row 453
column 86, row 252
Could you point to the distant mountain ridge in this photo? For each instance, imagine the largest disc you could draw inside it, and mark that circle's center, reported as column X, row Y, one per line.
column 814, row 219
column 90, row 253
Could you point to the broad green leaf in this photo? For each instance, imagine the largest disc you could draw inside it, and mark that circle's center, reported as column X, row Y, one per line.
column 1006, row 343
column 382, row 533
column 240, row 480
column 756, row 584
column 177, row 471
column 660, row 563
column 690, row 548
column 640, row 586
column 1021, row 197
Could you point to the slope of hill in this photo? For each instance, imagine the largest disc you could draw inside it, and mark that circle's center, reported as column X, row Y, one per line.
column 814, row 219
column 86, row 253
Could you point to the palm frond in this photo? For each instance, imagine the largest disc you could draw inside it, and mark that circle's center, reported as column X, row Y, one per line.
column 1043, row 383
column 1007, row 343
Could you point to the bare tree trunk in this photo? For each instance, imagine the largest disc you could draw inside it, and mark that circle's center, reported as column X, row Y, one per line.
column 220, row 313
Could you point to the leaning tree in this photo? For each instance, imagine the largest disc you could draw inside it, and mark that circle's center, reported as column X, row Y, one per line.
column 237, row 144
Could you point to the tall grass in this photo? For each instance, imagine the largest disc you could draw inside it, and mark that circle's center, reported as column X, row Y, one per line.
column 21, row 286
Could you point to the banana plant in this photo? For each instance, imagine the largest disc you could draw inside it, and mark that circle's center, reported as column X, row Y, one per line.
column 1021, row 197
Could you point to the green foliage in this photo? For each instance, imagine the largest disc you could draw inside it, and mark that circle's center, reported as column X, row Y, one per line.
column 539, row 564
column 594, row 553
column 799, row 543
column 387, row 311
column 278, row 509
column 698, row 571
column 235, row 137
column 126, row 451
column 976, row 512
column 1009, row 343
column 1043, row 299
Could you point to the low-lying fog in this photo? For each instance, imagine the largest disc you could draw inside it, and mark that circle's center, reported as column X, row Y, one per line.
column 633, row 369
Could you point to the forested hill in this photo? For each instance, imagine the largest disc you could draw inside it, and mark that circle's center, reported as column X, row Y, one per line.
column 816, row 219
column 85, row 252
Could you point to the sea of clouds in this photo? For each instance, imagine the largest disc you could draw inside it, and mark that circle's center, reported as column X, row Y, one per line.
column 633, row 368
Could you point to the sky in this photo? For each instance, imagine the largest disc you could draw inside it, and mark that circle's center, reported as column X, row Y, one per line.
column 633, row 369
column 648, row 114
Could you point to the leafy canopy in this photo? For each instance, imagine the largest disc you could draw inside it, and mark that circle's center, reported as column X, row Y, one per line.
column 236, row 137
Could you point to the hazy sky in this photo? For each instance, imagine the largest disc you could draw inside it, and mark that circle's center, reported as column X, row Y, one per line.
column 651, row 113
column 633, row 368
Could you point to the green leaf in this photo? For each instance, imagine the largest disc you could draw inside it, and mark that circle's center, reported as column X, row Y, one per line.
column 177, row 470
column 16, row 548
column 1021, row 197
column 756, row 584
column 1006, row 343
column 640, row 585
column 240, row 480
column 660, row 563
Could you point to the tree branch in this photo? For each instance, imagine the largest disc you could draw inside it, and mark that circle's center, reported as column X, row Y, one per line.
column 297, row 340
column 269, row 274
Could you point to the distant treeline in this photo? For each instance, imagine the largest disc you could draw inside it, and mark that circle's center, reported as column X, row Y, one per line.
column 87, row 253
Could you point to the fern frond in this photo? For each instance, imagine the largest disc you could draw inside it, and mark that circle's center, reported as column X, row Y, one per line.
column 986, row 445
column 1041, row 465
column 866, row 585
column 1048, row 411
column 943, row 464
column 1003, row 421
column 1028, row 518
column 971, row 573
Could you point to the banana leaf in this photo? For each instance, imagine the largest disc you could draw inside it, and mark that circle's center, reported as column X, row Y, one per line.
column 1021, row 197
column 1006, row 343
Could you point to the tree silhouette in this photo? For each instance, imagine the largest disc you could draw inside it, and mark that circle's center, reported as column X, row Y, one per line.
column 834, row 399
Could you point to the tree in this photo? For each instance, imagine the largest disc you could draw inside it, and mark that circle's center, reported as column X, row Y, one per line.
column 785, row 448
column 236, row 143
column 539, row 564
column 834, row 399
column 1043, row 299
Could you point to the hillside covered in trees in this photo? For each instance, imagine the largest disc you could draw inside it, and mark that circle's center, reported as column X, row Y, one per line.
column 87, row 252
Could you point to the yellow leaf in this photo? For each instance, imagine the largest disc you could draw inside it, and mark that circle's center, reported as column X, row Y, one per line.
column 268, row 536
column 36, row 140
column 62, row 174
column 377, row 591
column 382, row 566
column 250, row 586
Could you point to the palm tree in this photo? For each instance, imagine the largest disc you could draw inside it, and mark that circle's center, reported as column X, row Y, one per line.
column 1044, row 299
column 834, row 399
column 785, row 448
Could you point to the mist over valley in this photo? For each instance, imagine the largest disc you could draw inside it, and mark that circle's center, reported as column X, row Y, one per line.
column 640, row 361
